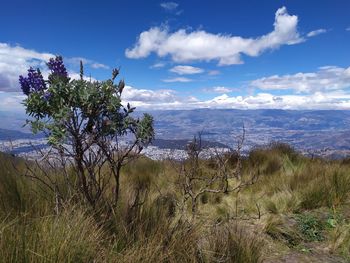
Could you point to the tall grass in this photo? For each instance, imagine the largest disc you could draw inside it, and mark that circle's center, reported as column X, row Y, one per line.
column 18, row 194
column 231, row 243
column 340, row 240
column 330, row 188
column 70, row 237
column 148, row 226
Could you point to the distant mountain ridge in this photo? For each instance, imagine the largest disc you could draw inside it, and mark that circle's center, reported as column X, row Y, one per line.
column 6, row 134
column 306, row 130
column 288, row 119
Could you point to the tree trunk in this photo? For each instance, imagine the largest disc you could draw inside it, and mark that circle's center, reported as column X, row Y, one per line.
column 117, row 183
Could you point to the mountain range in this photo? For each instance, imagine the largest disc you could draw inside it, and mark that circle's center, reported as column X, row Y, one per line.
column 307, row 131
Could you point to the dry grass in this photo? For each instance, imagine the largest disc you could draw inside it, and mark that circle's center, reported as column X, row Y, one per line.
column 148, row 225
column 70, row 237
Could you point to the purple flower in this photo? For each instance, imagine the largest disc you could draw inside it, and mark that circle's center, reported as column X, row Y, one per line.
column 24, row 85
column 57, row 67
column 34, row 82
column 47, row 95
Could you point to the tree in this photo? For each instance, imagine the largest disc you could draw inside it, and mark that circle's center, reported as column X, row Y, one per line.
column 221, row 174
column 87, row 125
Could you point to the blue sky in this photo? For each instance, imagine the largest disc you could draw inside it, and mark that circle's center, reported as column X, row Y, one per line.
column 188, row 54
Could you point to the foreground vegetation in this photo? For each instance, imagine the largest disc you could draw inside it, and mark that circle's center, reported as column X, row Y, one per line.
column 296, row 210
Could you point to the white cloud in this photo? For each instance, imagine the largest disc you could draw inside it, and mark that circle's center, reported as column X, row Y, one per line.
column 11, row 101
column 316, row 32
column 169, row 99
column 155, row 99
column 86, row 62
column 15, row 60
column 75, row 75
column 146, row 99
column 219, row 89
column 186, row 70
column 99, row 65
column 169, row 6
column 325, row 79
column 158, row 65
column 178, row 79
column 213, row 72
column 199, row 45
column 327, row 88
column 146, row 96
column 318, row 100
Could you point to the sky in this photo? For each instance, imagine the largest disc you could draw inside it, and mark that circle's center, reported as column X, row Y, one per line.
column 187, row 54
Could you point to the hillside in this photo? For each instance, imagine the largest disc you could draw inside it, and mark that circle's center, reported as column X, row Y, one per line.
column 296, row 211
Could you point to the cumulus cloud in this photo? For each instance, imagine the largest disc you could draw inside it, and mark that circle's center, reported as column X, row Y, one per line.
column 219, row 89
column 178, row 79
column 11, row 101
column 168, row 99
column 327, row 88
column 186, row 70
column 146, row 96
column 325, row 79
column 184, row 46
column 318, row 100
column 155, row 99
column 222, row 89
column 316, row 32
column 15, row 60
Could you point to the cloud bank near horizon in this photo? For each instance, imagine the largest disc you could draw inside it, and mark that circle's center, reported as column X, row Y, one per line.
column 145, row 99
column 168, row 99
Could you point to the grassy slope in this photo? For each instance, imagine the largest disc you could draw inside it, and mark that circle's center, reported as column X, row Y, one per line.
column 298, row 211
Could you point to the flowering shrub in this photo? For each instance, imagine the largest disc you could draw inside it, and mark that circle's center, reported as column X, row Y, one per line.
column 89, row 118
column 33, row 83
